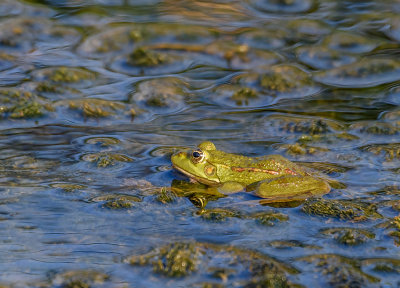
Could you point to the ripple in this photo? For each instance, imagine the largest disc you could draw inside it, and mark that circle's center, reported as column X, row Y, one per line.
column 264, row 39
column 350, row 42
column 20, row 35
column 66, row 76
column 308, row 29
column 284, row 6
column 239, row 95
column 323, row 58
column 6, row 61
column 106, row 159
column 122, row 39
column 57, row 36
column 151, row 62
column 111, row 41
column 281, row 81
column 10, row 7
column 365, row 73
column 394, row 30
column 161, row 95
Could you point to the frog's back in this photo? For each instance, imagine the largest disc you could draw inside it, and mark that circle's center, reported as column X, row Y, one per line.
column 247, row 170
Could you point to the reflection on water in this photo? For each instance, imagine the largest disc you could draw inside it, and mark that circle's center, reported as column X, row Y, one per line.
column 96, row 96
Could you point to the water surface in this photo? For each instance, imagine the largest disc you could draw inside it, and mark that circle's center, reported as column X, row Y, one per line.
column 95, row 96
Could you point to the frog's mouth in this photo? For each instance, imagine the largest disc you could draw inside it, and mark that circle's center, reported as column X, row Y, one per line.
column 195, row 177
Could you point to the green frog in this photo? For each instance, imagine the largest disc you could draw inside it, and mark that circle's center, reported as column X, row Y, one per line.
column 272, row 177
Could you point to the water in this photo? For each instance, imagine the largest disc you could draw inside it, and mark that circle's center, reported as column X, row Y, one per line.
column 95, row 96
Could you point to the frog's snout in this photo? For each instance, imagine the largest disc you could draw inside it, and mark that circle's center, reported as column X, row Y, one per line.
column 178, row 157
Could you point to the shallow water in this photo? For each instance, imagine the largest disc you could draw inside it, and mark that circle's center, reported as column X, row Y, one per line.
column 95, row 96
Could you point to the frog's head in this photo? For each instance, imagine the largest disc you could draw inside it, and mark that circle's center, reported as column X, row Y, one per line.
column 196, row 164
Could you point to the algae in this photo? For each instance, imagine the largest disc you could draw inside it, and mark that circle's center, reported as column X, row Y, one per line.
column 341, row 209
column 117, row 201
column 243, row 95
column 340, row 271
column 94, row 108
column 146, row 58
column 183, row 259
column 218, row 214
column 106, row 159
column 269, row 218
column 19, row 104
column 349, row 236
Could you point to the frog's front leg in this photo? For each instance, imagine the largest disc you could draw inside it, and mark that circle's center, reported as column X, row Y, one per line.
column 231, row 187
column 290, row 187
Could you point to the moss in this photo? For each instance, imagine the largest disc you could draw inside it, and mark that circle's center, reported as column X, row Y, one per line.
column 166, row 195
column 145, row 58
column 395, row 223
column 309, row 127
column 76, row 284
column 390, row 151
column 95, row 108
column 104, row 159
column 269, row 218
column 47, row 87
column 341, row 209
column 283, row 244
column 69, row 75
column 221, row 273
column 135, row 35
column 168, row 92
column 303, row 149
column 17, row 104
column 339, row 271
column 175, row 260
column 67, row 187
column 284, row 79
column 243, row 95
column 212, row 285
column 26, row 110
column 79, row 279
column 118, row 204
column 349, row 236
column 218, row 214
column 381, row 129
column 182, row 259
column 267, row 275
column 386, row 268
column 117, row 201
column 368, row 68
column 396, row 206
column 157, row 101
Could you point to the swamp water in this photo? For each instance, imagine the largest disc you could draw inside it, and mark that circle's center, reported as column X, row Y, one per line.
column 96, row 95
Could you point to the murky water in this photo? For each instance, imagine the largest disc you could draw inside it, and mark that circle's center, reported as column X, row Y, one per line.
column 96, row 95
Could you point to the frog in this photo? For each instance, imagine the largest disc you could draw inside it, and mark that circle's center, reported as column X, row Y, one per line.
column 272, row 178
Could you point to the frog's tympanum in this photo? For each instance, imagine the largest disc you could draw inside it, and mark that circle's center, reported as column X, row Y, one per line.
column 272, row 177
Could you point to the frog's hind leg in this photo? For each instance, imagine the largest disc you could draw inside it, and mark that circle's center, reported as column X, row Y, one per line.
column 289, row 188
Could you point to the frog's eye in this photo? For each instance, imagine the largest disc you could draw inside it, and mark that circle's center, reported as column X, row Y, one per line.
column 197, row 156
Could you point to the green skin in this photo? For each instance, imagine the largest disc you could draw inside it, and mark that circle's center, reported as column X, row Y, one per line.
column 270, row 177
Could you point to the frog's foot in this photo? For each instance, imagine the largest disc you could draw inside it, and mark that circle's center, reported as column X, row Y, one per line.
column 290, row 188
column 231, row 187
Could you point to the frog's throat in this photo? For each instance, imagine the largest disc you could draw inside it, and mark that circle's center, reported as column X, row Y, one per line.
column 200, row 179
